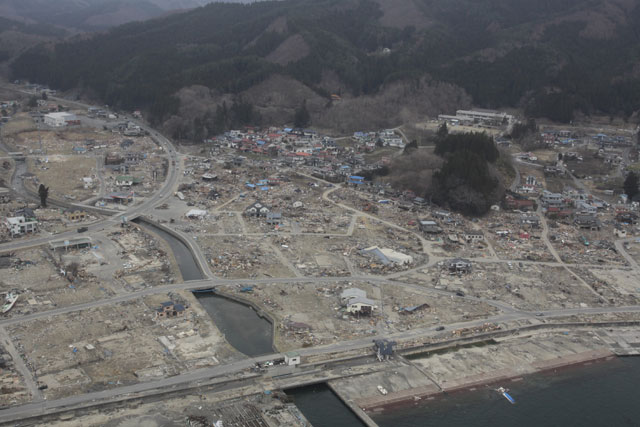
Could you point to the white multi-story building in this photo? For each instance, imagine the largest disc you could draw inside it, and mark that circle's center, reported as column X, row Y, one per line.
column 395, row 141
column 488, row 116
column 58, row 119
column 18, row 225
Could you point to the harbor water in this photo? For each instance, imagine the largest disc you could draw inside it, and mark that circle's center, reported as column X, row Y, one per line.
column 322, row 407
column 599, row 395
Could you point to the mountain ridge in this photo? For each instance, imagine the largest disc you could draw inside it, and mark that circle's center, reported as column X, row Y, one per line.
column 550, row 58
column 93, row 15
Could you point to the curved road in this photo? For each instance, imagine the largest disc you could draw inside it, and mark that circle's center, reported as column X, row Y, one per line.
column 507, row 314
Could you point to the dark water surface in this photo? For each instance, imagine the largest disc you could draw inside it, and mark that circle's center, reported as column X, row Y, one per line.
column 187, row 264
column 247, row 332
column 322, row 407
column 605, row 394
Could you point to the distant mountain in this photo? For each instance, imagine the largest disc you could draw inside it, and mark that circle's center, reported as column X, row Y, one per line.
column 387, row 61
column 16, row 37
column 91, row 15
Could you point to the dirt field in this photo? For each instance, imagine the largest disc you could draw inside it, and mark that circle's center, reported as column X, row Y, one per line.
column 21, row 122
column 526, row 287
column 91, row 350
column 319, row 307
column 63, row 176
column 50, row 142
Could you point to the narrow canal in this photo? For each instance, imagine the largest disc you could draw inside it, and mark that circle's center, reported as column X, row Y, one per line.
column 242, row 327
column 247, row 332
column 319, row 404
column 252, row 335
column 186, row 262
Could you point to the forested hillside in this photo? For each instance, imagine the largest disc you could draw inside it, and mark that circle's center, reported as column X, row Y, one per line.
column 90, row 15
column 551, row 58
column 17, row 37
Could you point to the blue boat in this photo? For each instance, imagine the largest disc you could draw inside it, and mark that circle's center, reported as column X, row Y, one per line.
column 506, row 395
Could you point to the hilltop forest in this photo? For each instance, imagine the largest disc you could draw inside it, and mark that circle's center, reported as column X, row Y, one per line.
column 388, row 61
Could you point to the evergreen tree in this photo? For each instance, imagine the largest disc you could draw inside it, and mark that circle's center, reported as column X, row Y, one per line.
column 631, row 185
column 302, row 117
column 43, row 192
column 410, row 147
column 443, row 131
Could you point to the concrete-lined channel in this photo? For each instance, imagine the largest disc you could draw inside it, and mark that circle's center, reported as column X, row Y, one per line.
column 251, row 332
column 186, row 260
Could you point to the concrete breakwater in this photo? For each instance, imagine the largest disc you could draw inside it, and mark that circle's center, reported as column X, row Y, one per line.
column 411, row 397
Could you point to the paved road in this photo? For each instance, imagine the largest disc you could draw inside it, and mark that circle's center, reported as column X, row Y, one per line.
column 545, row 235
column 200, row 375
column 508, row 313
column 165, row 192
column 20, row 366
column 620, row 248
column 211, row 283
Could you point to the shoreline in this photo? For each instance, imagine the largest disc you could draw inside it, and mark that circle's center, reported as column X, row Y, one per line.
column 376, row 405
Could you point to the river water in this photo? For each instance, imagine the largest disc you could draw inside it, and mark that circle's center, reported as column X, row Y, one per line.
column 600, row 395
column 247, row 332
column 322, row 407
column 187, row 264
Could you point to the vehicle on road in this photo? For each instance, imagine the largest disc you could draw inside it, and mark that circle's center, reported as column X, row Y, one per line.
column 83, row 229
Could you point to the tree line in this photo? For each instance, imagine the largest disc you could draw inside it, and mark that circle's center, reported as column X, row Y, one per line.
column 224, row 47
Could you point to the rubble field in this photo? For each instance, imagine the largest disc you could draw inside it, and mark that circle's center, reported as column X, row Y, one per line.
column 577, row 246
column 91, row 350
column 523, row 286
column 315, row 255
column 37, row 276
column 633, row 249
column 128, row 259
column 615, row 286
column 515, row 240
column 204, row 408
column 308, row 314
column 369, row 202
column 144, row 259
column 240, row 257
column 623, row 281
column 12, row 388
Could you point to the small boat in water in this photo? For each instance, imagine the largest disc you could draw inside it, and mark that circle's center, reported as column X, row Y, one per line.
column 9, row 302
column 503, row 391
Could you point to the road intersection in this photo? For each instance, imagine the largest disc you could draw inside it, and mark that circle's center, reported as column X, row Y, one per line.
column 507, row 313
